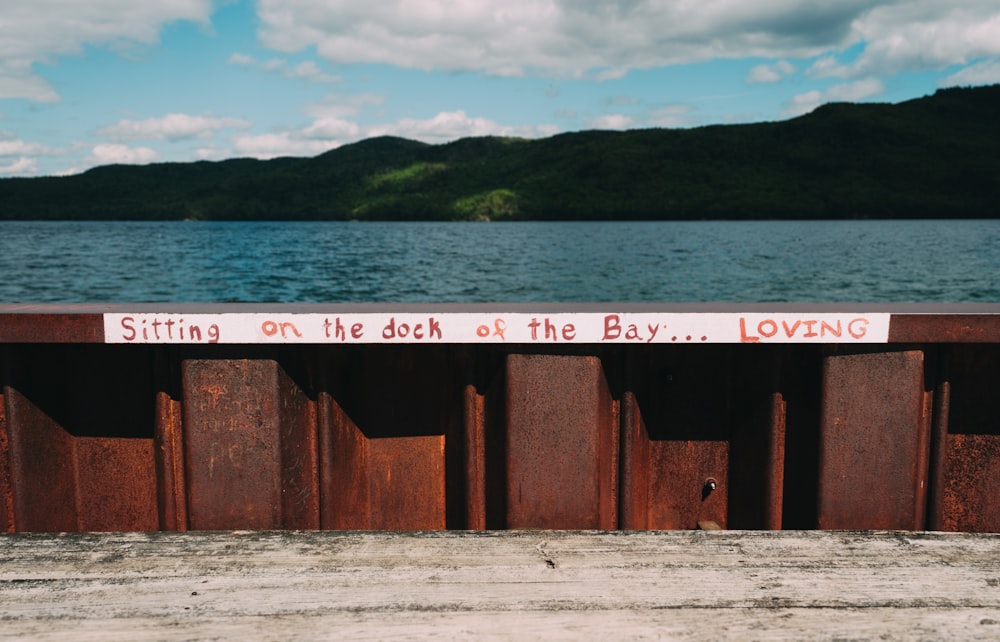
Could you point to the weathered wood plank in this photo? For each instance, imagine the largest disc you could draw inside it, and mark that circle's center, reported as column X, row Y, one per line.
column 515, row 584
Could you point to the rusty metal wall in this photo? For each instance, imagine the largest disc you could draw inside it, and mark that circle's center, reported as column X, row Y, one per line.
column 159, row 437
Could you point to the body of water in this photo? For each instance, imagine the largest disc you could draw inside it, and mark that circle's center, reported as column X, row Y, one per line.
column 759, row 261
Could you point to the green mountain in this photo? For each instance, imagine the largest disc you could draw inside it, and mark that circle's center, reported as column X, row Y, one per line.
column 937, row 156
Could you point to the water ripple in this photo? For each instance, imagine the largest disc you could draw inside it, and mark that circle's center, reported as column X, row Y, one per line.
column 797, row 261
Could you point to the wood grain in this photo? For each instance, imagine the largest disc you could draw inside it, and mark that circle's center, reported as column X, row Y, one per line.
column 514, row 584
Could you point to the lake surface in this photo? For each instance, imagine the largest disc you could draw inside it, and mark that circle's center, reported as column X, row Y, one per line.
column 765, row 261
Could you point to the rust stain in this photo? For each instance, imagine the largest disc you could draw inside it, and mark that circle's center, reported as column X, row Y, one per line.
column 216, row 391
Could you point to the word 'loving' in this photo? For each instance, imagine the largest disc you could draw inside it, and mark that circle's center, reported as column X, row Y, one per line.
column 856, row 328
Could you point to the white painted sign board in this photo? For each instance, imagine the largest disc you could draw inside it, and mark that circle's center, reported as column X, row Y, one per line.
column 496, row 327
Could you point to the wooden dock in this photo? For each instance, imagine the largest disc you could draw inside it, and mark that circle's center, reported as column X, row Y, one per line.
column 686, row 585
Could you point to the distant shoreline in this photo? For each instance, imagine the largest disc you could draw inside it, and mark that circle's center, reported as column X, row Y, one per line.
column 931, row 158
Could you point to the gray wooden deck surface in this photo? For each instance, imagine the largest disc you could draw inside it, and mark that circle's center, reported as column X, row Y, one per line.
column 509, row 585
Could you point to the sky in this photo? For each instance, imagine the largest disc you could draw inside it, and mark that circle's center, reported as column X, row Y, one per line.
column 140, row 81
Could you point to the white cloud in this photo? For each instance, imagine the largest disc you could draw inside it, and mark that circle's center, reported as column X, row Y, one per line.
column 17, row 81
column 919, row 35
column 612, row 121
column 854, row 91
column 827, row 67
column 305, row 70
column 334, row 121
column 241, row 59
column 42, row 30
column 309, row 70
column 273, row 145
column 10, row 146
column 986, row 72
column 18, row 157
column 610, row 74
column 568, row 37
column 448, row 126
column 606, row 38
column 20, row 167
column 274, row 64
column 770, row 73
column 108, row 154
column 847, row 92
column 172, row 127
column 212, row 153
column 331, row 129
column 804, row 103
column 329, row 132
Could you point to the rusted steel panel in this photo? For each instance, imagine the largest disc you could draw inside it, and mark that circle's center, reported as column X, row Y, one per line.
column 6, row 482
column 939, row 455
column 634, row 505
column 386, row 420
column 43, row 468
column 966, row 493
column 242, row 420
column 51, row 328
column 404, row 437
column 475, row 458
column 971, row 489
column 685, row 408
column 944, row 328
column 392, row 483
column 343, row 469
column 874, row 432
column 300, row 502
column 169, row 447
column 688, row 481
column 80, row 444
column 6, row 479
column 116, row 484
column 561, row 443
column 232, row 454
column 703, row 438
column 407, row 476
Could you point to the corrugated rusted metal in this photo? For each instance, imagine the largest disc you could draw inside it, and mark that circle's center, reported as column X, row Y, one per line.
column 679, row 455
column 78, row 437
column 388, row 419
column 874, row 439
column 561, row 446
column 405, row 437
column 966, row 488
column 249, row 446
column 703, row 438
column 6, row 478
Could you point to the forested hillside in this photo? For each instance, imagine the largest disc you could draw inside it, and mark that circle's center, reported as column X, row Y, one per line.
column 937, row 156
